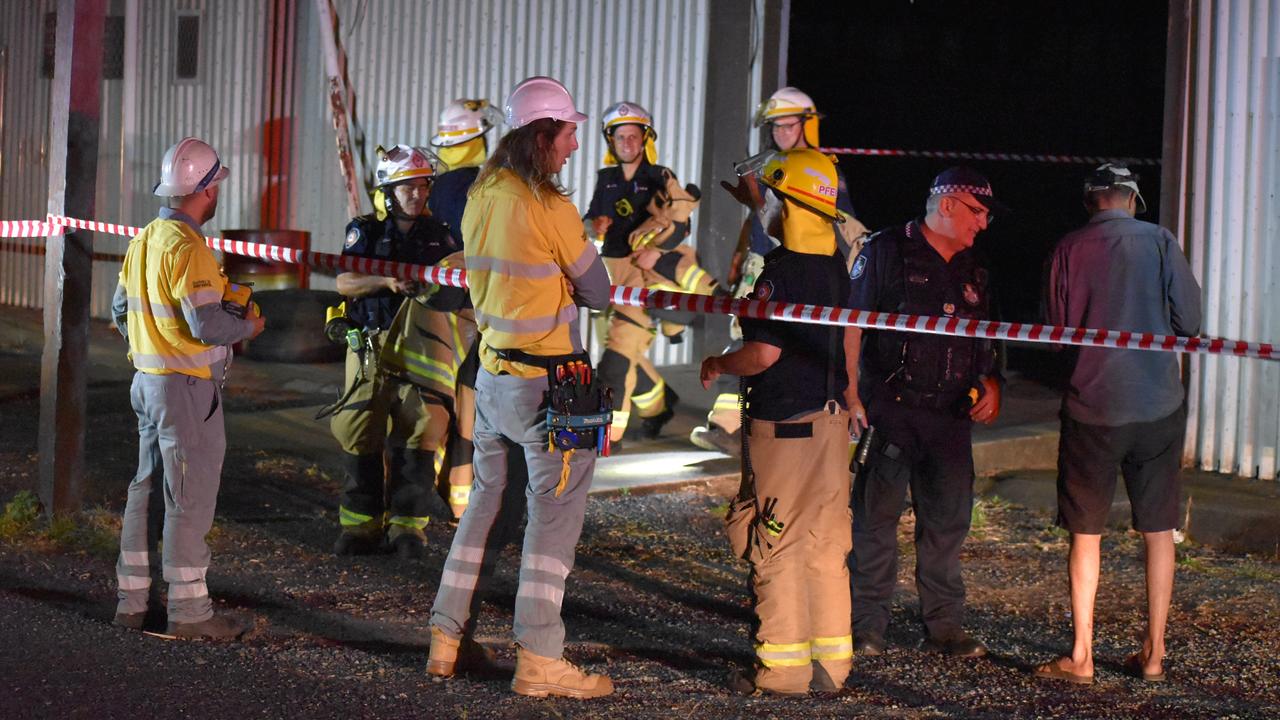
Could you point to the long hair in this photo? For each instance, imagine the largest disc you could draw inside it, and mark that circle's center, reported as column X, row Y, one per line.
column 526, row 151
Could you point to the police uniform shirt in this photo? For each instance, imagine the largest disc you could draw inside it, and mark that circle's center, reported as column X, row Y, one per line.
column 625, row 201
column 425, row 244
column 959, row 288
column 448, row 198
column 797, row 383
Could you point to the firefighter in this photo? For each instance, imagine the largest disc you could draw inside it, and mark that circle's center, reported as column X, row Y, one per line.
column 387, row 433
column 792, row 119
column 791, row 518
column 529, row 269
column 641, row 213
column 461, row 142
column 169, row 305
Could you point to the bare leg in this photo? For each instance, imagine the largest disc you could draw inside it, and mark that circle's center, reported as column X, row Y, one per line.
column 1160, row 562
column 1083, row 566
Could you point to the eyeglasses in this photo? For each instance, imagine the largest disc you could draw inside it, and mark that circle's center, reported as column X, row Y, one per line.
column 979, row 212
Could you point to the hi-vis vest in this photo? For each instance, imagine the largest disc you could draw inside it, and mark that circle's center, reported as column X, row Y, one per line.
column 519, row 255
column 168, row 268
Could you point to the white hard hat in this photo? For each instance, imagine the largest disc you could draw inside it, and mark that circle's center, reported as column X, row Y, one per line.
column 540, row 97
column 188, row 167
column 787, row 101
column 464, row 119
column 404, row 162
column 627, row 113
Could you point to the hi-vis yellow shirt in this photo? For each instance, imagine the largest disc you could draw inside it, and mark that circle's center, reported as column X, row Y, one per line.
column 520, row 257
column 169, row 272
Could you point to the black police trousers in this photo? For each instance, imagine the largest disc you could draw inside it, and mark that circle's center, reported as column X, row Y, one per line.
column 930, row 451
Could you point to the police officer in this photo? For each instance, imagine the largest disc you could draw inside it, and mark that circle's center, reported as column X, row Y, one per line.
column 792, row 119
column 169, row 305
column 529, row 269
column 922, row 393
column 792, row 508
column 642, row 213
column 387, row 434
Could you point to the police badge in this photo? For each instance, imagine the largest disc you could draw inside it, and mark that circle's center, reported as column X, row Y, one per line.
column 948, row 308
column 353, row 236
column 859, row 266
column 763, row 290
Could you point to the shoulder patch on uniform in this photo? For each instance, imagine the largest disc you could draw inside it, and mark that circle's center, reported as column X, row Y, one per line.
column 353, row 237
column 202, row 284
column 859, row 267
column 764, row 290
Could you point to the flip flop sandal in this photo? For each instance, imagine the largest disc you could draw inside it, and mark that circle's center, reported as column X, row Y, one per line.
column 1051, row 671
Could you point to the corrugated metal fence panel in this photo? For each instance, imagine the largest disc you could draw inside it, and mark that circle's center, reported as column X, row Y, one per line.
column 1232, row 222
column 24, row 139
column 408, row 58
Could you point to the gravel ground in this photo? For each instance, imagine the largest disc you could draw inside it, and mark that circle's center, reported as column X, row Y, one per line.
column 655, row 600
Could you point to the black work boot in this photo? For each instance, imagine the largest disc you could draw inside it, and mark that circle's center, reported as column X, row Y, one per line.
column 651, row 427
column 349, row 544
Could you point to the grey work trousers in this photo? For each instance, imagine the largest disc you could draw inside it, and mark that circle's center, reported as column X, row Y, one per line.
column 181, row 444
column 509, row 410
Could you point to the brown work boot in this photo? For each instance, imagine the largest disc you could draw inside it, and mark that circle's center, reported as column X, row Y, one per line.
column 538, row 676
column 449, row 656
column 218, row 627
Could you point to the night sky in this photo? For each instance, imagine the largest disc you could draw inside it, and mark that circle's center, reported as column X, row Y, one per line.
column 1073, row 78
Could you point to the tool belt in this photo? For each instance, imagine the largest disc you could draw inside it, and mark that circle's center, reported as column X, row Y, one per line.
column 579, row 407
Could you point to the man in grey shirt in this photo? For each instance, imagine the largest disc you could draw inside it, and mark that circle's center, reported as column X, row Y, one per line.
column 1122, row 407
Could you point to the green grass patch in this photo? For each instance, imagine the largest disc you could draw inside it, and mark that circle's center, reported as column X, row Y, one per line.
column 20, row 515
column 95, row 531
column 1192, row 563
column 978, row 515
column 720, row 510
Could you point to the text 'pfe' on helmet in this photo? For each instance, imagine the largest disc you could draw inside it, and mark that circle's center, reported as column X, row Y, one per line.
column 188, row 167
column 628, row 113
column 805, row 176
column 404, row 162
column 540, row 97
column 464, row 119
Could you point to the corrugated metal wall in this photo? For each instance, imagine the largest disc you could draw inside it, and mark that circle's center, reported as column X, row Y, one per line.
column 406, row 59
column 649, row 51
column 24, row 139
column 1231, row 225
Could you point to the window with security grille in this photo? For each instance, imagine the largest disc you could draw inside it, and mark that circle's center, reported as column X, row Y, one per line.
column 187, row 48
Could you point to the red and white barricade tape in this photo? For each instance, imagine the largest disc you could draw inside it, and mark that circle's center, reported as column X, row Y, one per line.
column 26, row 228
column 1016, row 157
column 813, row 314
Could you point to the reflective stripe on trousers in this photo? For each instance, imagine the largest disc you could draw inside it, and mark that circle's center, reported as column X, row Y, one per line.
column 181, row 444
column 507, row 409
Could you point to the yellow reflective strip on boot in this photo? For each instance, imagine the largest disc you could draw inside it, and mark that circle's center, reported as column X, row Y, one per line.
column 833, row 648
column 725, row 402
column 783, row 654
column 351, row 518
column 417, row 523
